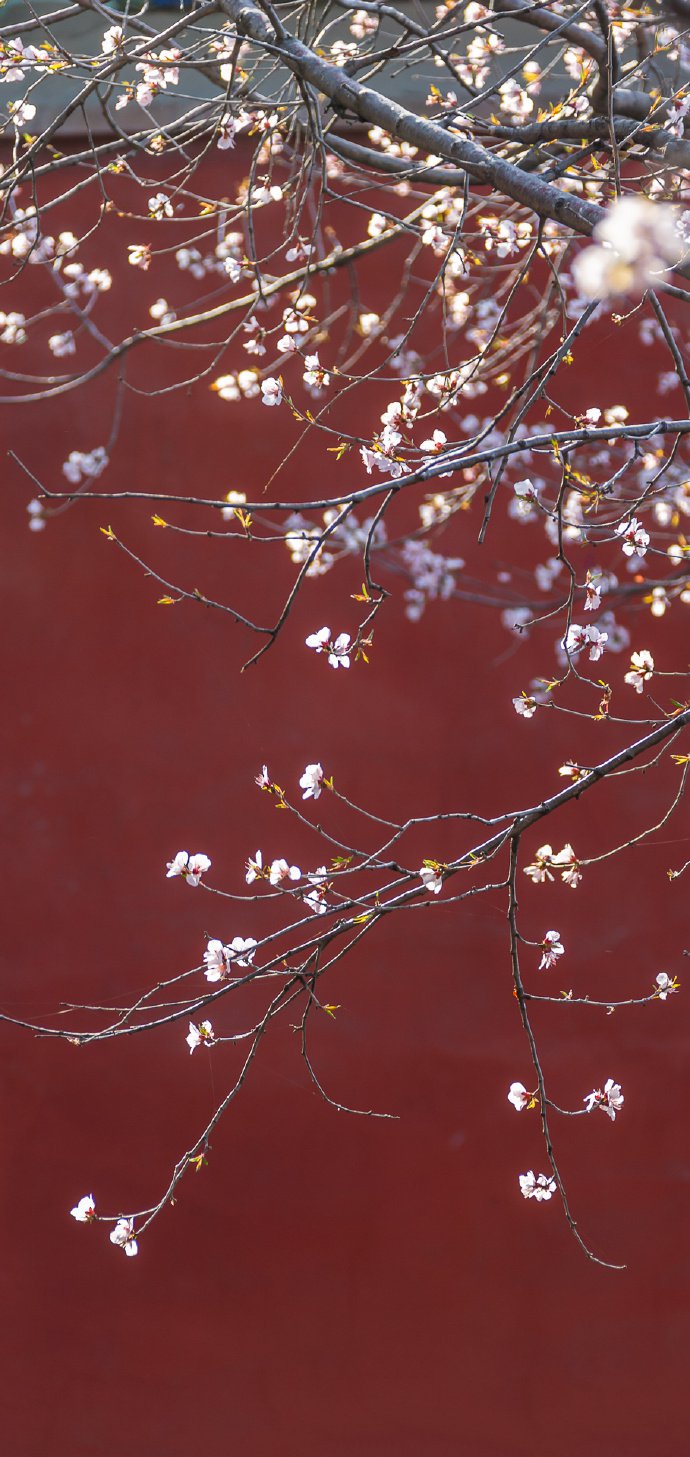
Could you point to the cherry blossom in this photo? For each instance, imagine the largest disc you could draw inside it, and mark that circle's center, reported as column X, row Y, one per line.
column 553, row 948
column 255, row 868
column 190, row 867
column 123, row 1236
column 202, row 1034
column 263, row 780
column 85, row 1211
column 280, row 871
column 641, row 670
column 271, row 391
column 160, row 206
column 338, row 651
column 242, row 951
column 610, row 1100
column 431, row 876
column 638, row 241
column 525, row 706
column 545, row 861
column 566, row 861
column 519, row 1097
column 635, row 538
column 537, row 1186
column 666, row 985
column 312, row 781
column 217, row 958
column 578, row 638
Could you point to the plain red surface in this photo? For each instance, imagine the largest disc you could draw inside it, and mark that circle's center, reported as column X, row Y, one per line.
column 329, row 1285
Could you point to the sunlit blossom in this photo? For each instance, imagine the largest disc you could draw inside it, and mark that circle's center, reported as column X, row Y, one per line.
column 610, row 1099
column 85, row 1210
column 202, row 1034
column 190, row 867
column 123, row 1236
column 537, row 1186
column 312, row 781
column 553, row 948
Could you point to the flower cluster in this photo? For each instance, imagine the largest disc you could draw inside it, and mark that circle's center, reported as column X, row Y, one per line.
column 545, row 862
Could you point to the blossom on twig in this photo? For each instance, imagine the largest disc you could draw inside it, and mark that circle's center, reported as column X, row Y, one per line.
column 190, row 867
column 536, row 1186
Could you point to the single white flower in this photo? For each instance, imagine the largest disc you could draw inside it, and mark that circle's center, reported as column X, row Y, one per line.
column 216, row 957
column 196, row 1035
column 190, row 867
column 255, row 868
column 262, row 779
column 610, row 1100
column 540, row 1186
column 123, row 1236
column 666, row 985
column 160, row 206
column 641, row 669
column 312, row 781
column 338, row 650
column 280, row 870
column 85, row 1211
column 553, row 948
column 635, row 538
column 112, row 39
column 525, row 706
column 518, row 1096
column 271, row 391
column 241, row 951
column 431, row 877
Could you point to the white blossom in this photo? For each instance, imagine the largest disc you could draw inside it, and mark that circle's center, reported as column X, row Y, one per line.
column 85, row 1211
column 610, row 1100
column 518, row 1096
column 553, row 948
column 635, row 538
column 123, row 1236
column 638, row 240
column 525, row 706
column 312, row 781
column 566, row 861
column 112, row 38
column 242, row 951
column 431, row 877
column 280, row 870
column 271, row 391
column 338, row 651
column 217, row 959
column 590, row 637
column 666, row 985
column 641, row 670
column 545, row 861
column 539, row 1186
column 62, row 344
column 255, row 868
column 160, row 206
column 190, row 867
column 202, row 1034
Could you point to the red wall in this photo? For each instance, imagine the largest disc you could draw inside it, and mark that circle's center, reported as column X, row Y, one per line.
column 329, row 1284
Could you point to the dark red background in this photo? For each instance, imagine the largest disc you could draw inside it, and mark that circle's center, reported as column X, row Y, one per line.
column 329, row 1284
